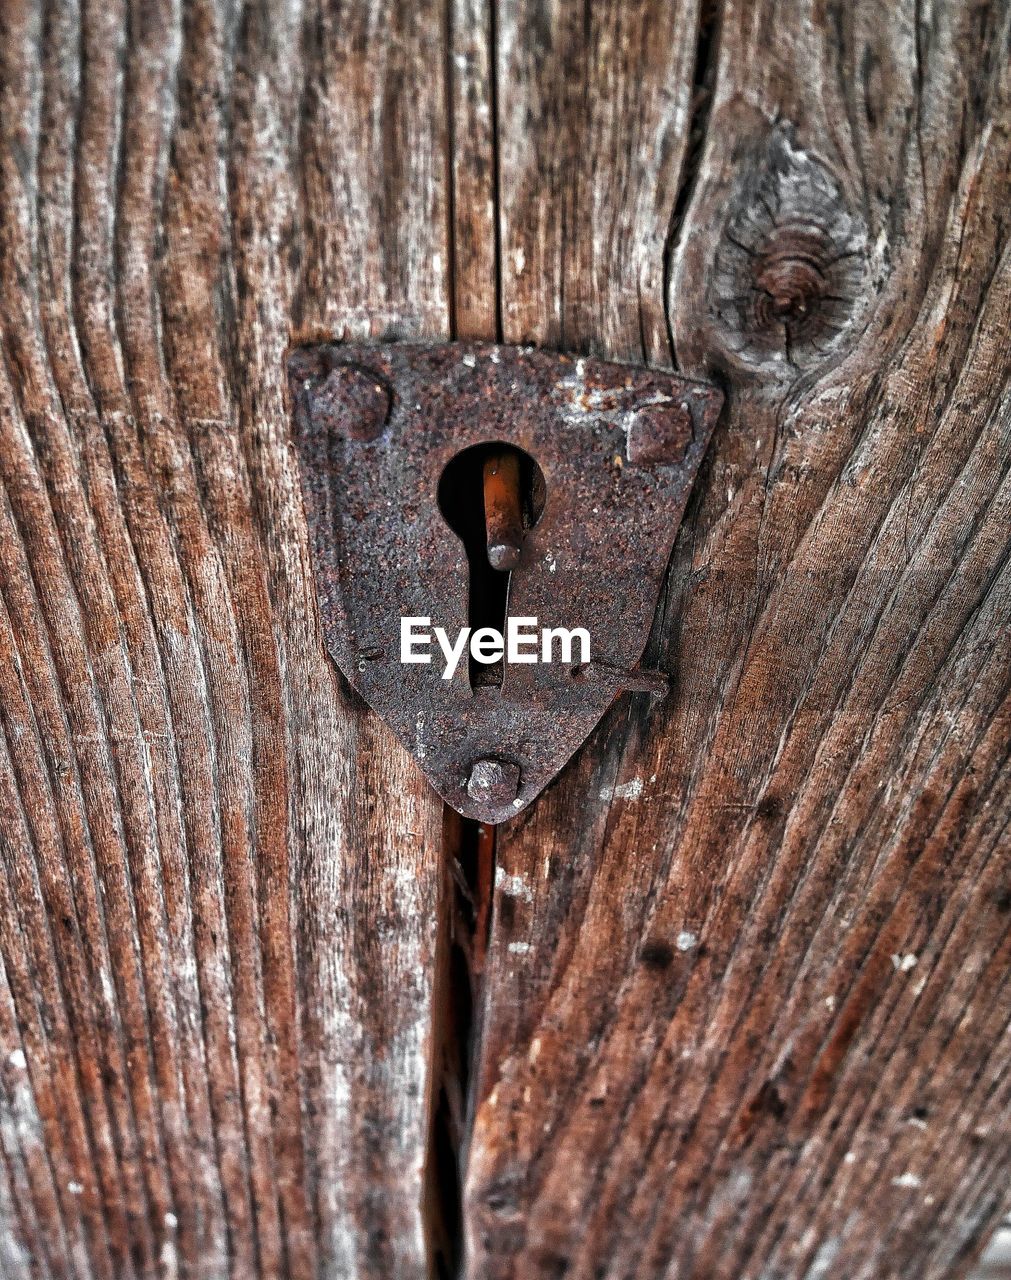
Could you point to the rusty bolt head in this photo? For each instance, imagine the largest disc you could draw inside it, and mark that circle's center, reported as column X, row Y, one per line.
column 660, row 433
column 493, row 782
column 350, row 402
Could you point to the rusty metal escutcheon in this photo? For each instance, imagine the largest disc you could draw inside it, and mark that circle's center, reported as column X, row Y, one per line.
column 618, row 447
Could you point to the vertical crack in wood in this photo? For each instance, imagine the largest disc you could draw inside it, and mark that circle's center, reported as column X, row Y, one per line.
column 496, row 167
column 476, row 311
column 707, row 50
column 467, row 903
column 452, row 273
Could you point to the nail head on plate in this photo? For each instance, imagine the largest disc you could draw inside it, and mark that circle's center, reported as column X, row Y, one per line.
column 493, row 781
column 660, row 433
column 351, row 402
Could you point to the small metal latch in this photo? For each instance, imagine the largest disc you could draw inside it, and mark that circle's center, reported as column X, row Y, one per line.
column 469, row 484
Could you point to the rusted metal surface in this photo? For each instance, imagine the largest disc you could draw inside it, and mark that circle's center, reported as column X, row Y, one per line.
column 503, row 511
column 618, row 448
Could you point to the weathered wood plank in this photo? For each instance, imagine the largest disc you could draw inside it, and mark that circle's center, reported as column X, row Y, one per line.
column 746, row 1004
column 592, row 126
column 474, row 151
column 221, row 878
column 704, row 1046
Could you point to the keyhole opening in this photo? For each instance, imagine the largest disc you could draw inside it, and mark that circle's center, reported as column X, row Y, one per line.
column 491, row 496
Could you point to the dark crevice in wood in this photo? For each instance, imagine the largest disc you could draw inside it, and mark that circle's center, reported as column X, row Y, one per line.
column 468, row 847
column 469, row 878
column 707, row 50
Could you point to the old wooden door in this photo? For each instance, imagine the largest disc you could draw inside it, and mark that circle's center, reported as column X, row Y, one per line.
column 732, row 1000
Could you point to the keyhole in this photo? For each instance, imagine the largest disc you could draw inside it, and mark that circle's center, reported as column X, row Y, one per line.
column 491, row 495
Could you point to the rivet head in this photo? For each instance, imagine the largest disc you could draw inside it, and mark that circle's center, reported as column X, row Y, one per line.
column 660, row 433
column 350, row 402
column 493, row 781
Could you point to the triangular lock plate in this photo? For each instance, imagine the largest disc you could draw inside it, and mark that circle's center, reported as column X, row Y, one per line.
column 617, row 446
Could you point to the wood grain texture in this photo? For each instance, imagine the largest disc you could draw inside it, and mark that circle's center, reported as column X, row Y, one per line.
column 746, row 1002
column 221, row 879
column 744, row 1009
column 594, row 104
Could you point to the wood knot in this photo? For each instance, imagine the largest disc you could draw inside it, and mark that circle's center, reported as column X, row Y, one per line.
column 788, row 277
